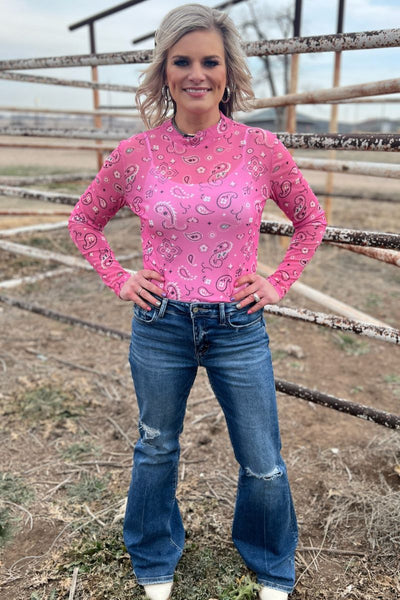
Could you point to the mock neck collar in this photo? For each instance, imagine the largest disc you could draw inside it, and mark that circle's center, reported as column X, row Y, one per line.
column 212, row 132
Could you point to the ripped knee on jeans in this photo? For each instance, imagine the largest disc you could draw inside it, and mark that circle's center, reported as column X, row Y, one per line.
column 276, row 472
column 149, row 433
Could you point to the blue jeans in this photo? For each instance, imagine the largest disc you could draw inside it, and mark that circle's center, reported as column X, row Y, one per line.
column 168, row 344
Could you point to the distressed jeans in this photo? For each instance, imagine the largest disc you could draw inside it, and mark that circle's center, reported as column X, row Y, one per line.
column 168, row 345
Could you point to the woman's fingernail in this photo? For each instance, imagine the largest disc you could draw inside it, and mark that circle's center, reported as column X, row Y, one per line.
column 238, row 305
column 158, row 303
column 232, row 299
column 164, row 295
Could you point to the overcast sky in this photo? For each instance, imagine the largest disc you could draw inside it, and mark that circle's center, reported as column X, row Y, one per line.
column 39, row 28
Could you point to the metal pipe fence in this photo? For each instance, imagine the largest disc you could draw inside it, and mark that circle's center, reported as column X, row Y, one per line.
column 351, row 167
column 381, row 142
column 358, row 410
column 359, row 239
column 386, row 86
column 66, row 82
column 386, row 38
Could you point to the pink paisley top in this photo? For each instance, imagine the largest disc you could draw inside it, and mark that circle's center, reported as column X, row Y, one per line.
column 200, row 201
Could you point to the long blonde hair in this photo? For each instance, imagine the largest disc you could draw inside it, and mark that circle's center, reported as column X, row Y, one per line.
column 157, row 105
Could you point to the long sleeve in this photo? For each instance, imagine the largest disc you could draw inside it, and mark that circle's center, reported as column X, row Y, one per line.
column 104, row 197
column 291, row 192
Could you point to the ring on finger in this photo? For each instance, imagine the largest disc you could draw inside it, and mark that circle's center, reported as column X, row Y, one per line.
column 256, row 297
column 139, row 291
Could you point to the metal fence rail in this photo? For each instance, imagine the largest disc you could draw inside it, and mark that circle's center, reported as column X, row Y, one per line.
column 384, row 142
column 357, row 237
column 386, row 86
column 66, row 82
column 385, row 38
column 383, row 334
column 351, row 167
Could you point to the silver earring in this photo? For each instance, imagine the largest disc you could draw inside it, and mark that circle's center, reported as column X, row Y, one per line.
column 165, row 93
column 228, row 93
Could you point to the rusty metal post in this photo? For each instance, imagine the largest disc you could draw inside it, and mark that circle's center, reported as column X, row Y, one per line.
column 294, row 76
column 333, row 125
column 96, row 102
column 294, row 72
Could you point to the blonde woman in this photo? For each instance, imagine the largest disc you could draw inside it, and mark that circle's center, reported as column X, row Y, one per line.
column 198, row 182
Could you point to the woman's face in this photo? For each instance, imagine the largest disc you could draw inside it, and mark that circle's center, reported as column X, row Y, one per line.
column 196, row 75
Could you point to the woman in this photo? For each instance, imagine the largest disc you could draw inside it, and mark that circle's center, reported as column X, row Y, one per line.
column 199, row 182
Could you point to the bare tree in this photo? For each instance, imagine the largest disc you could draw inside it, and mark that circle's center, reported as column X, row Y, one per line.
column 284, row 20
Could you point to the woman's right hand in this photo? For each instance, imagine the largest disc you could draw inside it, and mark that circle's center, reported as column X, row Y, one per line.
column 139, row 289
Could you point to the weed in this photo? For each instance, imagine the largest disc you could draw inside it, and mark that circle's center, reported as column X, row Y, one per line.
column 296, row 365
column 394, row 379
column 77, row 450
column 244, row 589
column 394, row 382
column 88, row 488
column 208, row 568
column 357, row 389
column 351, row 345
column 6, row 529
column 53, row 596
column 278, row 355
column 12, row 489
column 47, row 403
column 373, row 300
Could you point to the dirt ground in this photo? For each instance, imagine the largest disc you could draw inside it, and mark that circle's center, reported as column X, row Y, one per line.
column 68, row 421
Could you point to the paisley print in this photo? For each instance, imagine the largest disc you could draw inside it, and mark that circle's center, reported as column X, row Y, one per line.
column 191, row 160
column 204, row 292
column 223, row 282
column 170, row 221
column 137, row 205
column 105, row 257
column 203, row 210
column 218, row 173
column 184, row 273
column 220, row 253
column 173, row 291
column 224, row 200
column 87, row 199
column 112, row 160
column 199, row 202
column 90, row 240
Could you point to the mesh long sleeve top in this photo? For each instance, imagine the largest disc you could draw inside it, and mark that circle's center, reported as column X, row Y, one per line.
column 200, row 201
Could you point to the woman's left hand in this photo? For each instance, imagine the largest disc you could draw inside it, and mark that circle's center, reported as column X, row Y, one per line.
column 257, row 287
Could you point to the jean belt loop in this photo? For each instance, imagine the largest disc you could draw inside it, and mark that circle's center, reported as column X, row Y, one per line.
column 163, row 308
column 222, row 313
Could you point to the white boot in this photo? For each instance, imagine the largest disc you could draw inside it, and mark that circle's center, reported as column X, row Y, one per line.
column 267, row 593
column 158, row 591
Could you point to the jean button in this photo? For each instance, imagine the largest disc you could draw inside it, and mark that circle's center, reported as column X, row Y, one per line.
column 195, row 309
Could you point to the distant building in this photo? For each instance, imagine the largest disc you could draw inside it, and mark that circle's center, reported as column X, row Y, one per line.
column 266, row 119
column 379, row 125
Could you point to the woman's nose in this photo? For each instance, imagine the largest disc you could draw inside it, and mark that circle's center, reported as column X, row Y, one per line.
column 196, row 72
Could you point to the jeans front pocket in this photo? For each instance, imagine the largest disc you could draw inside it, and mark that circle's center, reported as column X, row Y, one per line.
column 145, row 316
column 242, row 320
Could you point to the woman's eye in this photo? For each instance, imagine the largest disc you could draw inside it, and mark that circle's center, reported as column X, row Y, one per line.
column 180, row 62
column 211, row 63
